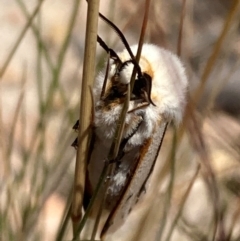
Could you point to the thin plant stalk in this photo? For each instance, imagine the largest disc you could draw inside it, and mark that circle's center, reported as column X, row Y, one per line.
column 179, row 43
column 116, row 140
column 19, row 39
column 40, row 41
column 181, row 206
column 15, row 118
column 121, row 124
column 199, row 145
column 54, row 82
column 65, row 219
column 96, row 191
column 85, row 113
column 170, row 187
column 141, row 40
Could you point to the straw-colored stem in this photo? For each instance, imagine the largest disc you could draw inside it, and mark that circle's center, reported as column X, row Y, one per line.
column 121, row 122
column 167, row 204
column 183, row 201
column 85, row 111
column 140, row 42
column 179, row 43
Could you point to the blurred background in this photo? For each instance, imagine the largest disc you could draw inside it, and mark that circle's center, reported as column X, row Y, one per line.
column 41, row 57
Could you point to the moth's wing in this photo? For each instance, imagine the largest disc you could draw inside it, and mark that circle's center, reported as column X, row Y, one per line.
column 146, row 161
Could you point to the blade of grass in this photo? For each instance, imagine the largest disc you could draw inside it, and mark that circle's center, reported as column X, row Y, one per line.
column 15, row 118
column 121, row 123
column 47, row 186
column 54, row 83
column 39, row 74
column 40, row 190
column 19, row 39
column 6, row 168
column 199, row 145
column 181, row 206
column 111, row 156
column 167, row 203
column 85, row 113
column 41, row 44
column 65, row 219
column 179, row 42
column 93, row 198
column 11, row 204
column 140, row 42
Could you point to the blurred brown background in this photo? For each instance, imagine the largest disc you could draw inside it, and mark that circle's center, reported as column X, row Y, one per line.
column 39, row 96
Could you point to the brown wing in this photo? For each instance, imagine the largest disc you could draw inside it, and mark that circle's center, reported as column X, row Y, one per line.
column 145, row 164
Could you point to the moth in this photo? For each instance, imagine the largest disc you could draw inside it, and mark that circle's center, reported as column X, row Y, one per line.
column 158, row 97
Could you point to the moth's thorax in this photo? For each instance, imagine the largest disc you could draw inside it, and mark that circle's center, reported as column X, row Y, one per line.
column 168, row 89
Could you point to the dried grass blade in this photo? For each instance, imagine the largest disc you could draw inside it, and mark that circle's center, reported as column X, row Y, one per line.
column 179, row 43
column 185, row 196
column 16, row 115
column 85, row 113
column 141, row 39
column 170, row 187
column 198, row 143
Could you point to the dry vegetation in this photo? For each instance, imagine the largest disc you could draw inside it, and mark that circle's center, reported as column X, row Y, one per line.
column 195, row 195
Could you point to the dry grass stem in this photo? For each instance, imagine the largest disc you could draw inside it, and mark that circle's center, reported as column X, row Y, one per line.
column 85, row 112
column 193, row 192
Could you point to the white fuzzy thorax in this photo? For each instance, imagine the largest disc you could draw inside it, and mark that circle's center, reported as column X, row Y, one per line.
column 169, row 84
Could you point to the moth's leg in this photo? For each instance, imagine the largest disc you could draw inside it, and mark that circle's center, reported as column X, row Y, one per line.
column 143, row 105
column 75, row 128
column 77, row 124
column 75, row 143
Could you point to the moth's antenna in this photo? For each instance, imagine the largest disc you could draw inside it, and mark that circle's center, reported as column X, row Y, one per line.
column 108, row 50
column 123, row 39
column 119, row 33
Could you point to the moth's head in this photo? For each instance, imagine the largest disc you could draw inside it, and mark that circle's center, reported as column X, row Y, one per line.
column 119, row 76
column 163, row 80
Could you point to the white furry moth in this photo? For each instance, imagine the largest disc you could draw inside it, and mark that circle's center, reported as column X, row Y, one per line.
column 157, row 98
